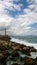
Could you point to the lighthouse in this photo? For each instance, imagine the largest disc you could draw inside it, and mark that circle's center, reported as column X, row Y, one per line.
column 5, row 32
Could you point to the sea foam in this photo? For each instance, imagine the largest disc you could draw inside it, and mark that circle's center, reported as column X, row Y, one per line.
column 24, row 42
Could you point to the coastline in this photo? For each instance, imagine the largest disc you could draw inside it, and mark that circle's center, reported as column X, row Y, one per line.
column 17, row 53
column 24, row 42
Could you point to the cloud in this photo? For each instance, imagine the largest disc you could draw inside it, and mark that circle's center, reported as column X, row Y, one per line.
column 16, row 0
column 4, row 18
column 9, row 4
column 20, row 24
column 32, row 1
column 17, row 7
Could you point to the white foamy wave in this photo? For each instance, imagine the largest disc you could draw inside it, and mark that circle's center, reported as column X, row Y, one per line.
column 24, row 42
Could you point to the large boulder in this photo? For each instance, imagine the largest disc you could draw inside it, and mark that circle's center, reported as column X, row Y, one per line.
column 28, row 61
column 26, row 48
column 32, row 49
column 15, row 48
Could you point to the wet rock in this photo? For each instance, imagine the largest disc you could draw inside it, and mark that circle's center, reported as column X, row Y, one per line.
column 32, row 49
column 15, row 54
column 35, row 60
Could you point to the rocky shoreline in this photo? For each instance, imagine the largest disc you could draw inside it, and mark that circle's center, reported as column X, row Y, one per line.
column 11, row 52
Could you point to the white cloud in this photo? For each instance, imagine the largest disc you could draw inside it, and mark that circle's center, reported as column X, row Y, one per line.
column 4, row 18
column 17, row 7
column 16, row 0
column 30, row 1
column 27, row 11
column 9, row 5
column 20, row 24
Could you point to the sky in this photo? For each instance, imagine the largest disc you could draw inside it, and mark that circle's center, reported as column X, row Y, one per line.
column 19, row 17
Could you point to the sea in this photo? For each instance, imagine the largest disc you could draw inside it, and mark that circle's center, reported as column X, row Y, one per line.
column 26, row 40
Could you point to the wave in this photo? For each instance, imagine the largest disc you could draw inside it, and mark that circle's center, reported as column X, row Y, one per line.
column 24, row 42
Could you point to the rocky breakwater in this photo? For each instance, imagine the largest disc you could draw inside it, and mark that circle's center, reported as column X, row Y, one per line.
column 3, row 52
column 16, row 53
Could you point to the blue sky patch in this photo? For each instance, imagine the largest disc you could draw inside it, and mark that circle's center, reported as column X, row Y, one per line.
column 33, row 26
column 16, row 12
column 19, row 16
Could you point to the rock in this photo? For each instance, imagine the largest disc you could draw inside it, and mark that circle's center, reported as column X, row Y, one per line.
column 1, row 56
column 32, row 49
column 28, row 61
column 15, row 54
column 15, row 48
column 26, row 48
column 6, row 47
column 35, row 60
column 15, row 64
